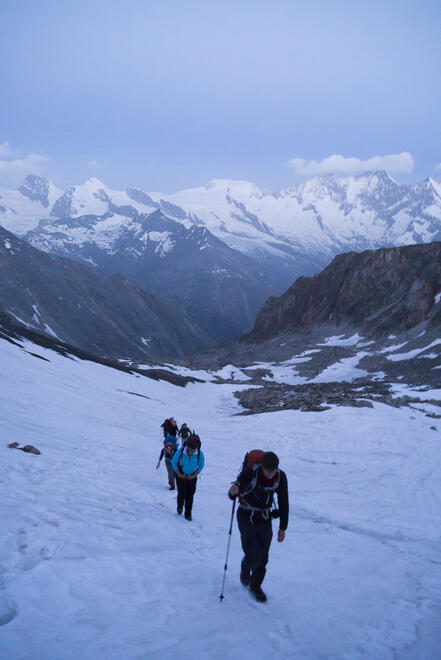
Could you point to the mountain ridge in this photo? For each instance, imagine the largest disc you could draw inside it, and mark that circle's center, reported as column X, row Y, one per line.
column 374, row 292
column 107, row 315
column 260, row 242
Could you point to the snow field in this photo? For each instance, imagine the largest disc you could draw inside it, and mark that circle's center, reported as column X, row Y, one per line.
column 95, row 563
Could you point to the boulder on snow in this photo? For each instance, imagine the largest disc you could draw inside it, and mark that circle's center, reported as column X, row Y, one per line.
column 29, row 449
column 13, row 445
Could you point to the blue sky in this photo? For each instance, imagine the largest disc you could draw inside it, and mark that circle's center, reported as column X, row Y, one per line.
column 170, row 94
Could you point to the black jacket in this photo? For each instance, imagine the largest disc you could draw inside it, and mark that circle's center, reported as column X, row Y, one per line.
column 261, row 499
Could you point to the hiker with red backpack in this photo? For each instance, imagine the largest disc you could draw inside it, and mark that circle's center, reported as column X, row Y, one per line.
column 188, row 463
column 169, row 427
column 169, row 450
column 255, row 487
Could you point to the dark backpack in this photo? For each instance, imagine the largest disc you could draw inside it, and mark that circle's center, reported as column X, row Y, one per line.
column 194, row 436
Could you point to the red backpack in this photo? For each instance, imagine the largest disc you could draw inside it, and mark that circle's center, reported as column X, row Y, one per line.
column 252, row 457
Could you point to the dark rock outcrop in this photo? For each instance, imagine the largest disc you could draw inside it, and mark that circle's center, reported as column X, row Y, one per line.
column 376, row 292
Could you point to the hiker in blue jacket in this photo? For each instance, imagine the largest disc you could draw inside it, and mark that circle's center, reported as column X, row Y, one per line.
column 187, row 463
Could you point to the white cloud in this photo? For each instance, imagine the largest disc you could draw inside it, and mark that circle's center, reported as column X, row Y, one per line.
column 438, row 167
column 95, row 165
column 15, row 166
column 5, row 150
column 337, row 164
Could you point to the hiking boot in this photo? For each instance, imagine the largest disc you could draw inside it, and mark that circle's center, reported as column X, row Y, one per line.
column 258, row 594
column 179, row 510
column 187, row 516
column 171, row 487
column 244, row 573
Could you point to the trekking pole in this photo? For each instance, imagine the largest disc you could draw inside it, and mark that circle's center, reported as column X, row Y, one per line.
column 221, row 597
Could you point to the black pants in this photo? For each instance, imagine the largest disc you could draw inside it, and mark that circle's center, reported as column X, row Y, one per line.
column 256, row 535
column 186, row 490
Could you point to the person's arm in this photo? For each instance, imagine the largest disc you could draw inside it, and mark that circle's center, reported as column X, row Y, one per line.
column 282, row 496
column 174, row 462
column 240, row 484
column 201, row 463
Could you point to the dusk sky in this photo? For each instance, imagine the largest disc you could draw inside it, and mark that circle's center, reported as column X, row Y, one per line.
column 169, row 94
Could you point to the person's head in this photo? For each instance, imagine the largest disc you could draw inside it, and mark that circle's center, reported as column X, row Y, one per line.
column 192, row 445
column 184, row 424
column 269, row 463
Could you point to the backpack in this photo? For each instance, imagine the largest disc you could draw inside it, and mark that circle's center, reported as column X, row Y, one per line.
column 252, row 457
column 194, row 436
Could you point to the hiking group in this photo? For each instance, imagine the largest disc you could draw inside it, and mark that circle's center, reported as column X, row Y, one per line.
column 183, row 464
column 254, row 489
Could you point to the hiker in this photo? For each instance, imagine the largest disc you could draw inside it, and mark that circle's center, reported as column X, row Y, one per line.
column 184, row 432
column 255, row 487
column 169, row 450
column 169, row 427
column 188, row 463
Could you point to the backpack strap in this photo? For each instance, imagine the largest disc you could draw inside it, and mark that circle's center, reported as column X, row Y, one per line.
column 252, row 486
column 180, row 457
column 182, row 452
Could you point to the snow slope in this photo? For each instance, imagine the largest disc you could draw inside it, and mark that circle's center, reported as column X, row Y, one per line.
column 95, row 563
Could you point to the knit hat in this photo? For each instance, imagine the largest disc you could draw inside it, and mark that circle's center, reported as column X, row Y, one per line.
column 270, row 461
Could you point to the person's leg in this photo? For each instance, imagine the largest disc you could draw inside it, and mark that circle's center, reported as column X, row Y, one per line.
column 171, row 473
column 250, row 543
column 181, row 484
column 264, row 537
column 191, row 488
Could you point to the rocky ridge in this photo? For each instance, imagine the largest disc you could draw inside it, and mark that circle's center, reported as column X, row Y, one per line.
column 375, row 292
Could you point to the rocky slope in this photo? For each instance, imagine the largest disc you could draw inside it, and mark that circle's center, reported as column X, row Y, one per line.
column 105, row 315
column 375, row 292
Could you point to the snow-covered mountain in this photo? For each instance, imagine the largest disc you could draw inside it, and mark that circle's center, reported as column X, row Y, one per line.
column 221, row 288
column 255, row 241
column 324, row 216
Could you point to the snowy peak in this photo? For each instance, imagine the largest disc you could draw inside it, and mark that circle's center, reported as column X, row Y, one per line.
column 39, row 189
column 233, row 186
column 90, row 198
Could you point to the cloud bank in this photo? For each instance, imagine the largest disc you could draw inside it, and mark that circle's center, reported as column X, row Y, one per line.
column 336, row 164
column 15, row 166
